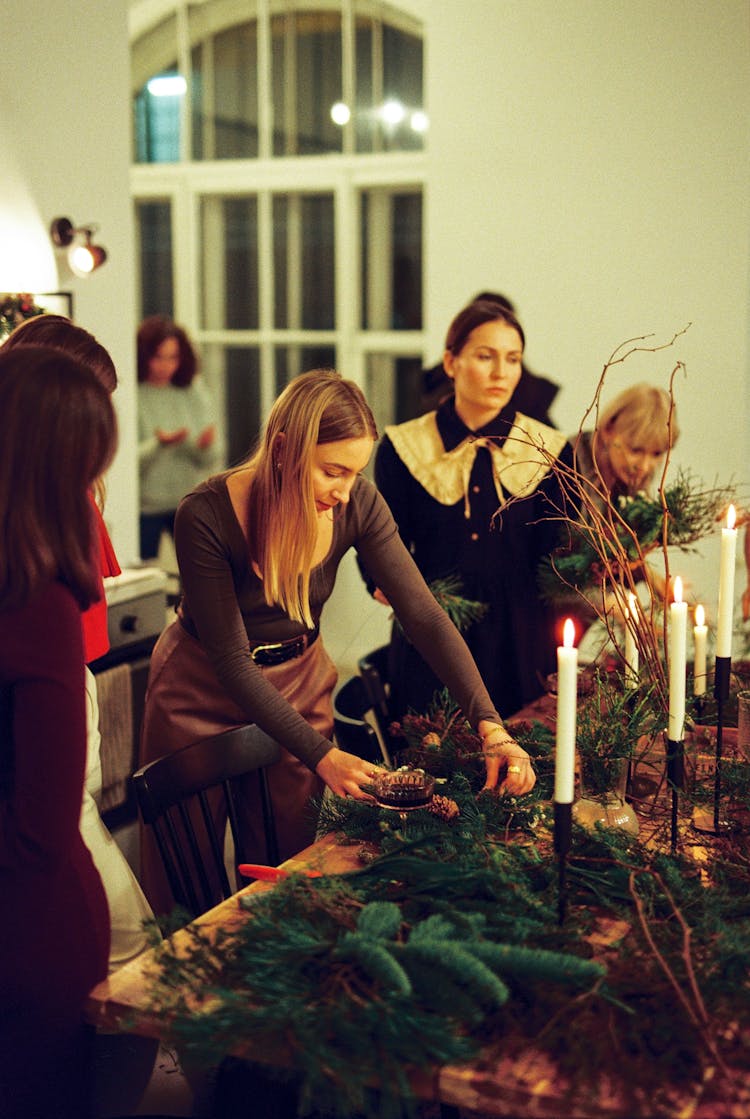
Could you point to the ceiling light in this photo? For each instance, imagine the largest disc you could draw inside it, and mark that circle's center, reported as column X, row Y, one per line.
column 167, row 85
column 392, row 112
column 340, row 113
column 419, row 121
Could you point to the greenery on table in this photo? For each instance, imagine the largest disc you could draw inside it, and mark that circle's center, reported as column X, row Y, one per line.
column 684, row 513
column 446, row 942
column 609, row 728
column 462, row 611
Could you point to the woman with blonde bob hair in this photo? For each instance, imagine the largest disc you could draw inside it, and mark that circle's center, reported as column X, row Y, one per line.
column 632, row 436
column 617, row 460
column 258, row 549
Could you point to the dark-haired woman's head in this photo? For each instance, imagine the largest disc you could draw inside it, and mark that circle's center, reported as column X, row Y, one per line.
column 61, row 334
column 166, row 355
column 58, row 434
column 476, row 314
column 483, row 357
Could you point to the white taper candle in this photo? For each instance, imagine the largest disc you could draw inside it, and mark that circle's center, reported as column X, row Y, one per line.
column 677, row 663
column 726, row 586
column 567, row 694
column 700, row 638
column 631, row 647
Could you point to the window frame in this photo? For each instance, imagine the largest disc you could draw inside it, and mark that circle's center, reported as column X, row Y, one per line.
column 345, row 175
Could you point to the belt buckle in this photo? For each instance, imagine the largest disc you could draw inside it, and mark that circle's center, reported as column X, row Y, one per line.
column 292, row 647
column 271, row 647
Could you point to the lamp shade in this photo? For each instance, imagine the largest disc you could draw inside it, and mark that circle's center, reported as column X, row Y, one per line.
column 85, row 259
column 82, row 255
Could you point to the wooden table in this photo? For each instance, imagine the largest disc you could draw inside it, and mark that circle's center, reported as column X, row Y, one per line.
column 492, row 1085
column 502, row 1087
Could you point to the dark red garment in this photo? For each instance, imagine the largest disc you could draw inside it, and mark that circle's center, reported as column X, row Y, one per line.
column 95, row 636
column 54, row 933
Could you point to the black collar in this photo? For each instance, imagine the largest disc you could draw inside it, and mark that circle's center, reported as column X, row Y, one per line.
column 453, row 430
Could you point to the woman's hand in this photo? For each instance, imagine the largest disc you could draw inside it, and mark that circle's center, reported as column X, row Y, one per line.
column 502, row 754
column 168, row 438
column 345, row 774
column 206, row 438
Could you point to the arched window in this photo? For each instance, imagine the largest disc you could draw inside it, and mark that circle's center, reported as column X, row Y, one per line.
column 278, row 180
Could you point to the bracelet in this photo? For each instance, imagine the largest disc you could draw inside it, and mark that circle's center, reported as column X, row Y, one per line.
column 491, row 748
column 498, row 729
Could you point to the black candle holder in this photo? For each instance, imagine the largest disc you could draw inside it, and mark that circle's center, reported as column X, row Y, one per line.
column 675, row 780
column 722, row 670
column 563, row 832
column 699, row 705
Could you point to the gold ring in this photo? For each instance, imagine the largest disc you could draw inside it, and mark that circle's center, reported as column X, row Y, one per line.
column 514, row 769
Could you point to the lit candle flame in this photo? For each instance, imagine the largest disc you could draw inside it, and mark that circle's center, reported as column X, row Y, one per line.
column 731, row 516
column 678, row 589
column 631, row 605
column 569, row 633
column 700, row 616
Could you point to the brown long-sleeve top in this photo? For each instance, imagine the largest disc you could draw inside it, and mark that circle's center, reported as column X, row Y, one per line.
column 224, row 608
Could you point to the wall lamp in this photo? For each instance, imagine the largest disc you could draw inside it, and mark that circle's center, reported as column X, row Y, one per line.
column 83, row 256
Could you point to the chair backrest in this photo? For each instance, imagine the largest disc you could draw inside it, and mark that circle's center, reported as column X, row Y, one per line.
column 187, row 795
column 373, row 668
column 352, row 731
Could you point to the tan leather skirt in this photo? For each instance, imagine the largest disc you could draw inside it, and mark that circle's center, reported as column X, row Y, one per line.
column 185, row 702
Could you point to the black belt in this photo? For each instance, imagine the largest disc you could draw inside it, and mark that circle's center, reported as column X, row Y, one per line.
column 277, row 652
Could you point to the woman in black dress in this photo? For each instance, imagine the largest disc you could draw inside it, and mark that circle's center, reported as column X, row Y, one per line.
column 448, row 477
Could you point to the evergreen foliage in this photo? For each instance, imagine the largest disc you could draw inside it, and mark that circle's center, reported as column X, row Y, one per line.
column 462, row 611
column 445, row 942
column 680, row 516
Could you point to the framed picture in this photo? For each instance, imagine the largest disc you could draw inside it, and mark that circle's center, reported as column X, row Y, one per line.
column 55, row 302
column 15, row 308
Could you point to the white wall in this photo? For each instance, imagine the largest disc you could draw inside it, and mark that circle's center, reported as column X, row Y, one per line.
column 591, row 160
column 65, row 152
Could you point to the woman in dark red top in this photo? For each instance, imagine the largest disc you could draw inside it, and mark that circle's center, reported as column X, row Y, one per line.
column 57, row 435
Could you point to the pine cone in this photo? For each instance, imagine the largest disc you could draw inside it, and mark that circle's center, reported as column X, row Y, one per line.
column 443, row 807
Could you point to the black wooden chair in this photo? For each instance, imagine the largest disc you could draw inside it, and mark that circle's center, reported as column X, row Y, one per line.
column 373, row 668
column 352, row 701
column 181, row 796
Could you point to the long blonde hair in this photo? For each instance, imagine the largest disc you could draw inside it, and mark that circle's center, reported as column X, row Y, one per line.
column 316, row 407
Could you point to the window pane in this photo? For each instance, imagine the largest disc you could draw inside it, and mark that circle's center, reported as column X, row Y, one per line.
column 391, row 255
column 235, row 112
column 290, row 361
column 229, row 253
column 233, row 374
column 306, row 78
column 393, row 388
column 402, row 86
column 157, row 122
column 155, row 237
column 389, row 112
column 200, row 131
column 365, row 126
column 156, row 118
column 303, row 244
